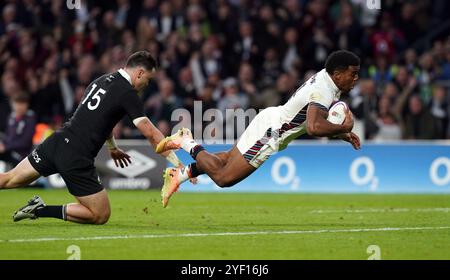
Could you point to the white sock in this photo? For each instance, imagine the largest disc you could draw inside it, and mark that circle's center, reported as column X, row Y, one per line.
column 188, row 144
column 183, row 174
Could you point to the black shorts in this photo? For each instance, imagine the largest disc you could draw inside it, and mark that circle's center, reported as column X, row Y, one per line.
column 60, row 153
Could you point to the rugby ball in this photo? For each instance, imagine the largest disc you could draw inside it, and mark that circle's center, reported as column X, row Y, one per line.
column 336, row 114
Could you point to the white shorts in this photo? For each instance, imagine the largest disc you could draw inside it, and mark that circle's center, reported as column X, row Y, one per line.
column 268, row 134
column 256, row 144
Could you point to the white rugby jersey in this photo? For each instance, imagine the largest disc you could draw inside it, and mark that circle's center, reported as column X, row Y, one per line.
column 319, row 89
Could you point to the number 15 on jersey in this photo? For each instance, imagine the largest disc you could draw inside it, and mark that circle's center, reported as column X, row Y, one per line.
column 95, row 100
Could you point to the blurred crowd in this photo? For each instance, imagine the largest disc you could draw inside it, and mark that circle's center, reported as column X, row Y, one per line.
column 228, row 54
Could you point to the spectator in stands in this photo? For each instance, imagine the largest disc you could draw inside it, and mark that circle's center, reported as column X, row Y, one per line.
column 161, row 105
column 164, row 22
column 407, row 22
column 388, row 40
column 381, row 71
column 246, row 80
column 232, row 98
column 411, row 62
column 18, row 139
column 390, row 91
column 388, row 127
column 428, row 74
column 348, row 33
column 444, row 61
column 206, row 63
column 185, row 88
column 366, row 107
column 401, row 80
column 289, row 50
column 439, row 110
column 272, row 95
column 246, row 48
column 270, row 68
column 419, row 123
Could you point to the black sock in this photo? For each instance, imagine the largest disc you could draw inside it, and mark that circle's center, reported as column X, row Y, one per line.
column 51, row 211
column 194, row 171
column 194, row 151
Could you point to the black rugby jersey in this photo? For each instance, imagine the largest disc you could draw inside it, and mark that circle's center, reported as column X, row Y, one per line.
column 105, row 102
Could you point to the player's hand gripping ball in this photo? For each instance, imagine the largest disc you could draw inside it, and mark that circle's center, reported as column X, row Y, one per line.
column 336, row 114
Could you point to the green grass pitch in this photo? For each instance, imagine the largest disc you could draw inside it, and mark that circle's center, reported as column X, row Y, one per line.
column 237, row 226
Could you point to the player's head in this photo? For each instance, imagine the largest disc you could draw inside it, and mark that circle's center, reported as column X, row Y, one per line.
column 343, row 68
column 20, row 103
column 141, row 66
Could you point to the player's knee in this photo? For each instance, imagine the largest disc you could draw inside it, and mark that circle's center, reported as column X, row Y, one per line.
column 2, row 180
column 5, row 180
column 223, row 182
column 101, row 218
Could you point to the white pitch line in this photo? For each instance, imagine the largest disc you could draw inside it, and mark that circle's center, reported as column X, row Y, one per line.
column 147, row 236
column 381, row 210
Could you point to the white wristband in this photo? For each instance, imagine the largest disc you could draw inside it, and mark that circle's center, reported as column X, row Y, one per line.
column 111, row 143
column 173, row 159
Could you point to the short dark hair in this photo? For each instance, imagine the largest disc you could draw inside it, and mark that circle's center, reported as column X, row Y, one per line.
column 21, row 98
column 341, row 60
column 143, row 59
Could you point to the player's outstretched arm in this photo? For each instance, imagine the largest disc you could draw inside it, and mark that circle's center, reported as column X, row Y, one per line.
column 318, row 125
column 154, row 136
